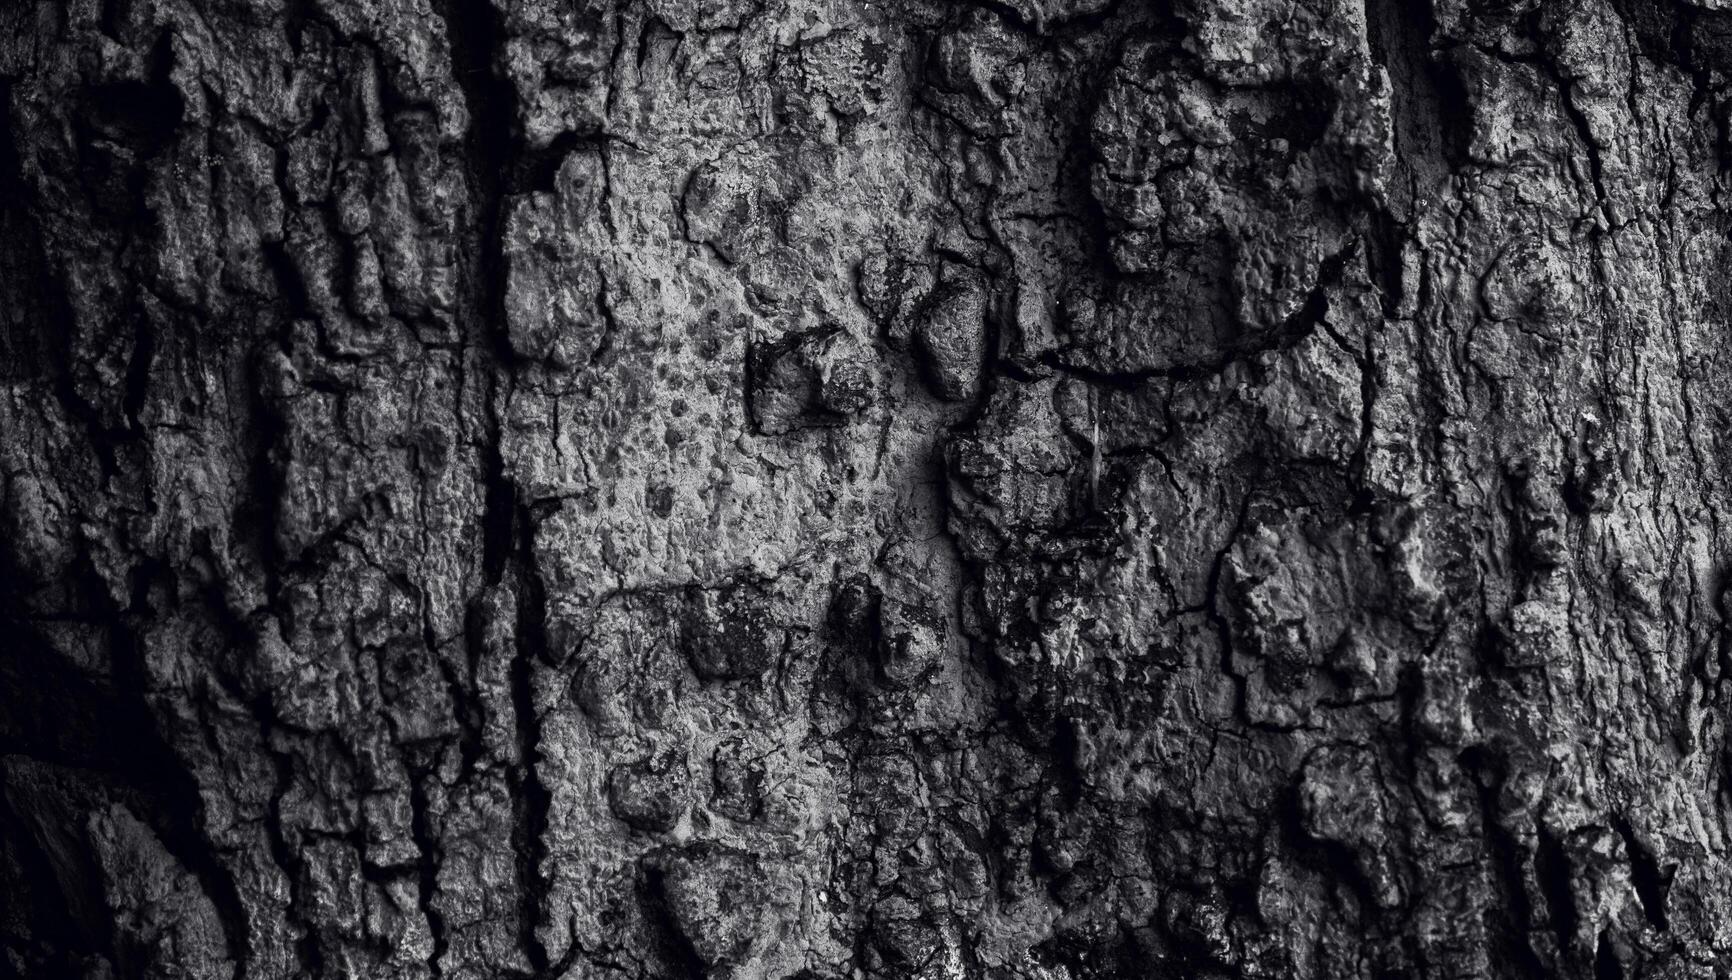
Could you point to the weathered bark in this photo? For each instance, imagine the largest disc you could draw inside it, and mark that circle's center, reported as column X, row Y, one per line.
column 827, row 488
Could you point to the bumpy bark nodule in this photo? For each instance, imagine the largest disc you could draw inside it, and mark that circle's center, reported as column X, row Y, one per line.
column 825, row 488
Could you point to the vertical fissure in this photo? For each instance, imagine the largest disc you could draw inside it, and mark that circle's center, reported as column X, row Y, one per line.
column 533, row 799
column 496, row 164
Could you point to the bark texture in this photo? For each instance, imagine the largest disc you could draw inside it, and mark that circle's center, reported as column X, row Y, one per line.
column 812, row 489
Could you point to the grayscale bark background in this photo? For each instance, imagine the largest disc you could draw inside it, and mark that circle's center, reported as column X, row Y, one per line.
column 835, row 489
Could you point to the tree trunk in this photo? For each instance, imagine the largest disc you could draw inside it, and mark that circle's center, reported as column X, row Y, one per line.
column 821, row 488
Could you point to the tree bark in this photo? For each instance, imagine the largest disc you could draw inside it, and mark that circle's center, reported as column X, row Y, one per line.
column 819, row 488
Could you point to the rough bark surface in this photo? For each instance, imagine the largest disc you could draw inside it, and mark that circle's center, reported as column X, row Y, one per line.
column 865, row 488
